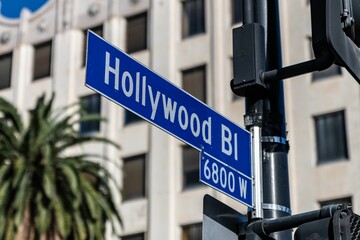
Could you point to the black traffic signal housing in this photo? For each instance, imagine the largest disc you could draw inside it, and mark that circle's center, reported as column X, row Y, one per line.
column 248, row 59
column 336, row 30
column 335, row 39
column 343, row 225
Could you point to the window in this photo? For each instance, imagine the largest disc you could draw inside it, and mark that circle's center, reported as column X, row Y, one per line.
column 139, row 236
column 99, row 30
column 136, row 33
column 5, row 70
column 90, row 105
column 42, row 60
column 134, row 177
column 237, row 11
column 333, row 70
column 346, row 200
column 192, row 232
column 131, row 117
column 193, row 17
column 190, row 157
column 331, row 137
column 193, row 81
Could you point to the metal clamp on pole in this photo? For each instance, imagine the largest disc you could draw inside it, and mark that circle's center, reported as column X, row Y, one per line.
column 256, row 154
column 273, row 139
column 276, row 207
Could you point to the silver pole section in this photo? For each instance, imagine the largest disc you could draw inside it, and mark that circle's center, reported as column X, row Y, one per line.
column 256, row 154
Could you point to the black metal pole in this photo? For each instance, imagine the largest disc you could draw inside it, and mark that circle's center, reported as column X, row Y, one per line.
column 264, row 228
column 267, row 111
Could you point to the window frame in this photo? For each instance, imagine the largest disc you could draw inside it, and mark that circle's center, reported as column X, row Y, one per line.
column 83, row 128
column 198, row 226
column 143, row 194
column 132, row 120
column 36, row 76
column 186, row 184
column 144, row 43
column 322, row 141
column 186, row 27
column 7, row 83
column 204, row 81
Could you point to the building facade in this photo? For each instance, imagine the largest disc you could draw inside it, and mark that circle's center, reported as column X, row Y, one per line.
column 189, row 42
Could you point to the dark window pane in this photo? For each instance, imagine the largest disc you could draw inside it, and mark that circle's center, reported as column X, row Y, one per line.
column 5, row 70
column 139, row 236
column 331, row 137
column 193, row 17
column 134, row 177
column 99, row 30
column 193, row 81
column 42, row 60
column 131, row 117
column 190, row 158
column 237, row 11
column 345, row 200
column 91, row 105
column 136, row 33
column 192, row 232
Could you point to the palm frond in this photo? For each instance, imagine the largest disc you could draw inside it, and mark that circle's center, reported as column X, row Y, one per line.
column 11, row 114
column 44, row 186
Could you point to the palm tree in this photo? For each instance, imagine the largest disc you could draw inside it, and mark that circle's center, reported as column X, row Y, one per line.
column 45, row 193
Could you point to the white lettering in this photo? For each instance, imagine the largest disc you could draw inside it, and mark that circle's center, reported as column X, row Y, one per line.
column 137, row 90
column 226, row 140
column 127, row 92
column 195, row 118
column 154, row 102
column 235, row 147
column 242, row 185
column 206, row 125
column 169, row 108
column 143, row 93
column 183, row 111
column 109, row 69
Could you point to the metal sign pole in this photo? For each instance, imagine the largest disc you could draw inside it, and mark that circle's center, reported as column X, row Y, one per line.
column 265, row 118
column 256, row 157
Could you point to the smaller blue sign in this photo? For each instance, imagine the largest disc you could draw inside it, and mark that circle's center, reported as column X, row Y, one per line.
column 225, row 179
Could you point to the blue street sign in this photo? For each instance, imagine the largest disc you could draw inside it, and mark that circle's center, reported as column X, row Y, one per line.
column 125, row 81
column 225, row 179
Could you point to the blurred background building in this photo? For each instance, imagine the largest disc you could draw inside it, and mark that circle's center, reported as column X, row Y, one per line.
column 189, row 42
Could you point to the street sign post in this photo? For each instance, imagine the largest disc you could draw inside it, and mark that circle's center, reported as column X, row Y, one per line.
column 125, row 81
